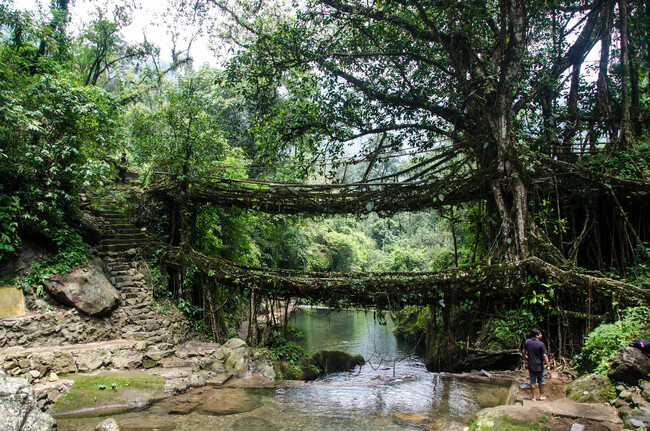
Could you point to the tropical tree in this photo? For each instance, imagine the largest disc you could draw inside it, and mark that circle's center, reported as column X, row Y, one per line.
column 51, row 129
column 102, row 51
column 506, row 117
column 497, row 86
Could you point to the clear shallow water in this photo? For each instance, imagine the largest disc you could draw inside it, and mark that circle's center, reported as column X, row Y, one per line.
column 359, row 332
column 392, row 392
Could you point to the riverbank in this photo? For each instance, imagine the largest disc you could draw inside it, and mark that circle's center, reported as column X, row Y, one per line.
column 190, row 377
column 143, row 337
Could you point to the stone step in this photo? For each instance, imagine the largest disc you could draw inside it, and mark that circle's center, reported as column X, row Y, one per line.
column 113, row 270
column 138, row 297
column 125, row 228
column 133, row 231
column 139, row 291
column 135, row 289
column 119, row 260
column 125, row 272
column 114, row 216
column 128, row 278
column 120, row 247
column 137, row 304
column 116, row 239
column 116, row 258
column 126, row 283
column 136, row 241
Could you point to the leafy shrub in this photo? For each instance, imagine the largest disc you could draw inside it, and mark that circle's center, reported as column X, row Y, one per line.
column 73, row 254
column 602, row 344
column 411, row 322
column 283, row 348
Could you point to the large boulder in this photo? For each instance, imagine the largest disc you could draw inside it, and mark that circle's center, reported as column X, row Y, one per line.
column 332, row 361
column 18, row 408
column 86, row 289
column 239, row 359
column 591, row 388
column 305, row 369
column 629, row 365
column 555, row 415
column 90, row 229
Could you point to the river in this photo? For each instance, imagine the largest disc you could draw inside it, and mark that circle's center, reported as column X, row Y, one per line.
column 393, row 391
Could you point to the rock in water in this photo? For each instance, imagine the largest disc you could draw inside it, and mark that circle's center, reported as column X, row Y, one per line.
column 108, row 425
column 228, row 402
column 332, row 361
column 18, row 409
column 86, row 289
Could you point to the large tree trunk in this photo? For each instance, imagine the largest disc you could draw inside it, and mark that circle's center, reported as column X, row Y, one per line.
column 509, row 190
column 508, row 186
column 626, row 129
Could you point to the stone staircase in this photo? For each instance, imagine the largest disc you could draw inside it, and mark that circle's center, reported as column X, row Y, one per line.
column 124, row 235
column 57, row 328
column 52, row 339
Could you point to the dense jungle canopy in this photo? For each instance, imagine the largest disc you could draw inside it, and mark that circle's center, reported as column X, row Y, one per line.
column 504, row 142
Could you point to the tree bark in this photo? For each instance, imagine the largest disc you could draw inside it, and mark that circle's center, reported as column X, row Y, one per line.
column 626, row 130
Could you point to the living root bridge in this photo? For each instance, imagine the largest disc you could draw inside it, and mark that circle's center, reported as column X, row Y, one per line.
column 357, row 198
column 386, row 290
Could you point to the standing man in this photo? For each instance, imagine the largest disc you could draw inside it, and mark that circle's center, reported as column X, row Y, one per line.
column 121, row 171
column 535, row 356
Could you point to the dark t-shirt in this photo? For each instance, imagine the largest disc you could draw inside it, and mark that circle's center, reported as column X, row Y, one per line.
column 536, row 350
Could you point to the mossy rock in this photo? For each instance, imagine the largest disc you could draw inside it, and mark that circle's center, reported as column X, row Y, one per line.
column 291, row 372
column 493, row 419
column 332, row 361
column 108, row 391
column 591, row 388
column 306, row 369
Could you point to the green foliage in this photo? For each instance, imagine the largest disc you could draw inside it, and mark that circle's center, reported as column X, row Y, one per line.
column 73, row 254
column 339, row 245
column 508, row 332
column 101, row 49
column 50, row 128
column 193, row 313
column 603, row 342
column 9, row 215
column 633, row 162
column 43, row 167
column 158, row 280
column 283, row 347
column 411, row 322
column 546, row 217
column 181, row 136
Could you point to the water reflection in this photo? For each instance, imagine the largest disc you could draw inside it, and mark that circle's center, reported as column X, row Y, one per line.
column 367, row 333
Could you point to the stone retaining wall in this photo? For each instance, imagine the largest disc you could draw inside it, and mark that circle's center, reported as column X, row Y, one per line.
column 66, row 327
column 137, row 318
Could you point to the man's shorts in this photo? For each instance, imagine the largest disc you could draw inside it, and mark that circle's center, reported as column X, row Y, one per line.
column 536, row 377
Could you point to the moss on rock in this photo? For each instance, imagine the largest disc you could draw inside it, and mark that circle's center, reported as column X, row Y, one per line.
column 305, row 369
column 592, row 388
column 109, row 390
column 331, row 361
column 496, row 420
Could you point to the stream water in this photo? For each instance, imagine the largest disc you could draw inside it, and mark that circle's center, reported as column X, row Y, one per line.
column 393, row 391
